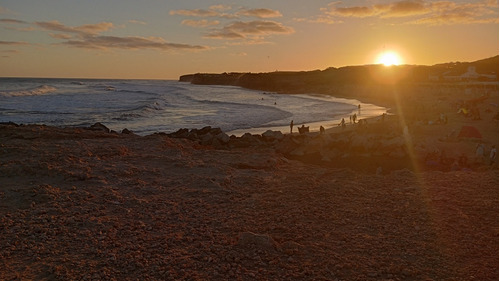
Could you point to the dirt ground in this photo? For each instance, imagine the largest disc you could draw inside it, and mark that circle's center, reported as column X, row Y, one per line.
column 77, row 204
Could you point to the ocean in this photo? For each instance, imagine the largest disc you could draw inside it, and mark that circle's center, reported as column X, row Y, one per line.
column 150, row 106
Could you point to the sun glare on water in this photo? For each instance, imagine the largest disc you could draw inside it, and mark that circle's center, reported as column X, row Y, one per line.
column 388, row 59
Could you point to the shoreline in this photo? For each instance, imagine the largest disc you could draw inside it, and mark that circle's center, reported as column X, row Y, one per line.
column 374, row 111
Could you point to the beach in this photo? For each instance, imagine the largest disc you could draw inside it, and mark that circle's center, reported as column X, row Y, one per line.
column 90, row 204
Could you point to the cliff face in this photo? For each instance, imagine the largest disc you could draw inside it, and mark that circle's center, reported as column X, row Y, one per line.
column 366, row 75
column 374, row 83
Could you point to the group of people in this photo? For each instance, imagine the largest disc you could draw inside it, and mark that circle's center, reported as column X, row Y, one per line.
column 304, row 129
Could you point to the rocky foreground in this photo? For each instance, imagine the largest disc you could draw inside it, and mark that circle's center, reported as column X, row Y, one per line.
column 81, row 204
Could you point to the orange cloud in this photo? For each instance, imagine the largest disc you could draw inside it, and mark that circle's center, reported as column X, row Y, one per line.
column 83, row 29
column 60, row 35
column 260, row 13
column 396, row 9
column 13, row 43
column 217, row 11
column 402, row 9
column 199, row 23
column 14, row 21
column 421, row 12
column 241, row 30
column 129, row 42
column 87, row 37
column 196, row 13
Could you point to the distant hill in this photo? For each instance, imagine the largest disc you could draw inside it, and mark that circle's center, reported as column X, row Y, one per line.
column 326, row 81
column 484, row 66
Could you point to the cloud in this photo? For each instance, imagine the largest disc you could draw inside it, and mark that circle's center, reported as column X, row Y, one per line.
column 196, row 13
column 129, row 42
column 213, row 11
column 249, row 32
column 402, row 9
column 319, row 19
column 88, row 37
column 241, row 54
column 220, row 7
column 447, row 12
column 359, row 12
column 13, row 21
column 13, row 43
column 60, row 35
column 260, row 13
column 87, row 29
column 395, row 9
column 218, row 11
column 199, row 23
column 251, row 29
column 137, row 22
column 13, row 24
column 420, row 11
column 4, row 10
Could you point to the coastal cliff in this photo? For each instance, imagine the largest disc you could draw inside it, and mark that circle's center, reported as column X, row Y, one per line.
column 365, row 81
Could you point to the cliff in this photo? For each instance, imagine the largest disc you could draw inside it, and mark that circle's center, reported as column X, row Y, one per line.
column 323, row 80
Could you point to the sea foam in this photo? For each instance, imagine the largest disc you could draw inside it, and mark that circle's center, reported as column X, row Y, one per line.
column 40, row 90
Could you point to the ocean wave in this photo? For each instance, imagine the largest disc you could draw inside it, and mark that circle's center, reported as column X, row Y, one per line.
column 103, row 87
column 40, row 90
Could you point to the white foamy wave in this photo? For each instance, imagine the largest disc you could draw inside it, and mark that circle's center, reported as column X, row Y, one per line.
column 40, row 90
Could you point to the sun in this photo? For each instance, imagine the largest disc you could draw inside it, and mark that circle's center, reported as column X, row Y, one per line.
column 388, row 58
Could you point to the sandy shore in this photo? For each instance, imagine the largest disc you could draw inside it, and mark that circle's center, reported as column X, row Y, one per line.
column 79, row 204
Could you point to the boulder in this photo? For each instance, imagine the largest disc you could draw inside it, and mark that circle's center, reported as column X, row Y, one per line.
column 270, row 135
column 215, row 131
column 99, row 127
column 204, row 130
column 181, row 133
column 127, row 132
column 222, row 137
column 206, row 139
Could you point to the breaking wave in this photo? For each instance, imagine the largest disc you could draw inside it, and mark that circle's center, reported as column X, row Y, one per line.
column 40, row 90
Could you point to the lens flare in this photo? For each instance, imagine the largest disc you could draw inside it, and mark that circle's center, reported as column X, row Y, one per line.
column 388, row 59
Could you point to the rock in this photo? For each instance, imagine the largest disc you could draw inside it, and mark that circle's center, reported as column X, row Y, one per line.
column 272, row 135
column 10, row 123
column 215, row 131
column 222, row 137
column 204, row 130
column 251, row 140
column 181, row 133
column 99, row 127
column 206, row 139
column 127, row 132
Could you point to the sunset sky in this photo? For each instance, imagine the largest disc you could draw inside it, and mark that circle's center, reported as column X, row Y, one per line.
column 163, row 39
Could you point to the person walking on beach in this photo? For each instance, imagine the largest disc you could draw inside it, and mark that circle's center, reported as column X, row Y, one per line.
column 291, row 127
column 321, row 130
column 342, row 123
